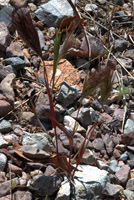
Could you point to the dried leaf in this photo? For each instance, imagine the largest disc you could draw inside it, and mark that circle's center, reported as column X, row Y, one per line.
column 18, row 151
column 62, row 163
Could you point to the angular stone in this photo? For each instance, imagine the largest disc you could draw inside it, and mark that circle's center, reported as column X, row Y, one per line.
column 130, row 184
column 5, row 126
column 129, row 126
column 102, row 165
column 83, row 116
column 6, row 84
column 14, row 50
column 34, row 153
column 53, row 12
column 120, row 45
column 108, row 143
column 3, row 143
column 16, row 62
column 123, row 174
column 5, row 107
column 3, row 177
column 114, row 166
column 128, row 194
column 5, row 187
column 112, row 190
column 98, row 144
column 129, row 54
column 5, row 38
column 3, row 161
column 22, row 195
column 88, row 158
column 128, row 139
column 46, row 185
column 69, row 123
column 92, row 179
column 37, row 140
column 67, row 94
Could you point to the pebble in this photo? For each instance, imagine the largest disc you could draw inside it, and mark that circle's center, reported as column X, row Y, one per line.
column 123, row 174
column 14, row 50
column 88, row 158
column 37, row 140
column 52, row 12
column 130, row 184
column 112, row 190
column 90, row 7
column 3, row 142
column 120, row 45
column 5, row 126
column 123, row 156
column 129, row 126
column 67, row 94
column 3, row 161
column 114, row 166
column 128, row 194
column 5, row 38
column 16, row 62
column 5, row 186
column 20, row 195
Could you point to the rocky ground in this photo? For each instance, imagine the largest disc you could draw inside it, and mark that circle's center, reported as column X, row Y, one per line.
column 28, row 168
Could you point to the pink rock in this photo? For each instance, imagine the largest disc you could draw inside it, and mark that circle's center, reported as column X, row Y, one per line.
column 123, row 174
column 116, row 153
column 5, row 107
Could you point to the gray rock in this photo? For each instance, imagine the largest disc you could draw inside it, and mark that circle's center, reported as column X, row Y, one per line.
column 16, row 62
column 121, row 16
column 64, row 191
column 67, row 94
column 3, row 2
column 83, row 116
column 131, row 163
column 112, row 190
column 129, row 54
column 6, row 104
column 3, row 143
column 70, row 123
column 96, row 105
column 108, row 144
column 37, row 140
column 5, row 15
column 5, row 126
column 41, row 38
column 114, row 166
column 3, row 177
column 3, row 161
column 94, row 115
column 88, row 184
column 124, row 156
column 102, row 165
column 6, row 84
column 3, row 72
column 34, row 153
column 85, row 102
column 19, row 3
column 14, row 50
column 129, row 126
column 121, row 147
column 126, row 62
column 46, row 185
column 53, row 12
column 120, row 45
column 102, row 2
column 5, row 38
column 5, row 187
column 128, row 194
column 82, row 63
column 21, row 195
column 130, row 184
column 98, row 144
column 90, row 7
column 88, row 158
column 123, row 174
